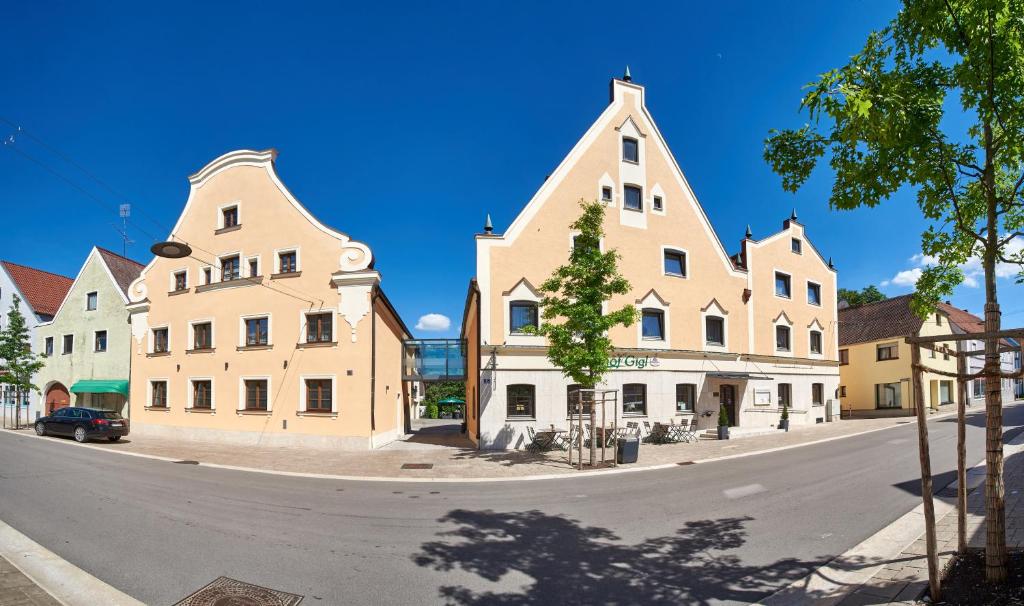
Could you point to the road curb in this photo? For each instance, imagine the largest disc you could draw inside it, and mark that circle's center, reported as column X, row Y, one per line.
column 478, row 480
column 65, row 582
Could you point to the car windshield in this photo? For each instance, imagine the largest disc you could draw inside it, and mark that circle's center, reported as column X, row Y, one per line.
column 106, row 414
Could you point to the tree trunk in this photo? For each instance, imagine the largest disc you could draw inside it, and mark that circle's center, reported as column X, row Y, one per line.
column 961, row 456
column 926, row 475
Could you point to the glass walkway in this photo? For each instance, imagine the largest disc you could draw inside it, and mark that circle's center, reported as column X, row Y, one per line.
column 434, row 360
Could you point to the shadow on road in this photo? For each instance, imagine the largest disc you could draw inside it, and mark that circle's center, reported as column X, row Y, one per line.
column 569, row 563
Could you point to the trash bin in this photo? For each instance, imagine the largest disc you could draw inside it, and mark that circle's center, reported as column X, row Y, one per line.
column 628, row 450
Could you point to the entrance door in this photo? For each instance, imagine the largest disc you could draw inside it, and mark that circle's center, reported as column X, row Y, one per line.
column 57, row 396
column 727, row 397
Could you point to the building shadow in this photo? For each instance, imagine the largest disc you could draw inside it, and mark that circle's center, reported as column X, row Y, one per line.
column 567, row 562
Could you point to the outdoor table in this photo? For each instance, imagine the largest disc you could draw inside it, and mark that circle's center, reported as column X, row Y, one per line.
column 660, row 433
column 549, row 436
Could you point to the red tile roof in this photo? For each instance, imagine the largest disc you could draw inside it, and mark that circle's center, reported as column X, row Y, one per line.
column 43, row 291
column 880, row 320
column 123, row 269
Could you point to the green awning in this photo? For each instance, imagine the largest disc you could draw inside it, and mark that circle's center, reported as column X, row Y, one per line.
column 451, row 400
column 101, row 386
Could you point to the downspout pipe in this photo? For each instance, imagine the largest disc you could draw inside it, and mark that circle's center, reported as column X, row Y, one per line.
column 373, row 361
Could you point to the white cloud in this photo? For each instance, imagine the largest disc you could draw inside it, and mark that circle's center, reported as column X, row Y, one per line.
column 974, row 273
column 433, row 322
column 907, row 277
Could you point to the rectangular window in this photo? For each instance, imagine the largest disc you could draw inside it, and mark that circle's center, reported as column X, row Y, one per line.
column 686, row 397
column 287, row 262
column 815, row 342
column 657, row 203
column 818, row 394
column 100, row 341
column 256, row 331
column 938, row 320
column 782, row 338
column 887, row 395
column 318, row 395
column 202, row 394
column 653, row 324
column 229, row 269
column 842, row 391
column 814, row 293
column 576, row 399
column 256, row 394
column 796, row 245
column 630, row 149
column 230, row 216
column 888, row 351
column 90, row 301
column 207, row 275
column 158, row 394
column 1018, row 388
column 521, row 401
column 714, row 327
column 634, row 399
column 634, row 198
column 180, row 281
column 675, row 263
column 49, row 346
column 844, row 356
column 782, row 285
column 319, row 328
column 978, row 386
column 785, row 395
column 521, row 315
column 202, row 336
column 254, row 268
column 606, row 194
column 160, row 342
column 69, row 344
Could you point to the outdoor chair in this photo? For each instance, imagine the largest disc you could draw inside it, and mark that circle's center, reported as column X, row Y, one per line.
column 561, row 441
column 647, row 430
column 537, row 443
column 689, row 434
column 632, row 427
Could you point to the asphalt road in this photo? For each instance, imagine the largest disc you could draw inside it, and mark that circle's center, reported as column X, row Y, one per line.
column 724, row 532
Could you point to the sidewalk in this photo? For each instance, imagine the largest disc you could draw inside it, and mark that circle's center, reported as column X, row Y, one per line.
column 444, row 461
column 16, row 589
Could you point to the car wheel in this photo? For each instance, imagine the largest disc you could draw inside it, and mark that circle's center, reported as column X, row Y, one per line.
column 40, row 429
column 114, row 438
column 80, row 435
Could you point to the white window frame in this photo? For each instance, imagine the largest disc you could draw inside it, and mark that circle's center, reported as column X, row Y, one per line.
column 303, row 324
column 800, row 245
column 174, row 272
column 815, row 326
column 213, row 274
column 259, row 266
column 191, row 390
column 302, row 391
column 603, row 182
column 775, row 289
column 643, row 204
column 782, row 320
column 191, row 337
column 654, row 301
column 151, row 344
column 106, row 346
column 241, row 391
column 714, row 309
column 243, row 333
column 667, row 248
column 807, row 292
column 63, row 344
column 287, row 249
column 223, row 207
column 95, row 293
column 149, row 391
column 521, row 292
column 658, row 192
column 218, row 272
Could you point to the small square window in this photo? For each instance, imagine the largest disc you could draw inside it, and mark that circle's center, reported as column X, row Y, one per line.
column 522, row 316
column 318, row 395
column 202, row 336
column 813, row 293
column 160, row 344
column 91, row 300
column 714, row 329
column 796, row 245
column 257, row 331
column 229, row 269
column 100, row 342
column 158, row 399
column 630, row 149
column 658, row 203
column 634, row 198
column 202, row 394
column 49, row 346
column 686, row 397
column 287, row 262
column 255, row 394
column 675, row 263
column 782, row 334
column 782, row 285
column 842, row 391
column 844, row 357
column 653, row 325
column 230, row 216
column 319, row 328
column 68, row 344
column 180, row 281
column 606, row 194
column 815, row 342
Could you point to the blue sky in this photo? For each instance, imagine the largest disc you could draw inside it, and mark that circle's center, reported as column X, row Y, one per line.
column 403, row 125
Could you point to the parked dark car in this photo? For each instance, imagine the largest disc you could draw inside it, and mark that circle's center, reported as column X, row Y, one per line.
column 83, row 424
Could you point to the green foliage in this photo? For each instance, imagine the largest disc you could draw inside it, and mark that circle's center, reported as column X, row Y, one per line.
column 17, row 361
column 868, row 294
column 723, row 416
column 432, row 411
column 441, row 390
column 785, row 413
column 575, row 324
column 894, row 116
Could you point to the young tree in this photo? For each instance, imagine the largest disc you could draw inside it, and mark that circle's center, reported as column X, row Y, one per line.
column 17, row 362
column 868, row 294
column 933, row 102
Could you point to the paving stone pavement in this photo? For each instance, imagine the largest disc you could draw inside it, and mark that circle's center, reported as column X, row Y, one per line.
column 16, row 589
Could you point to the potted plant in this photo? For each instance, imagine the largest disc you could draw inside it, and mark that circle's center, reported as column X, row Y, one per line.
column 723, row 423
column 784, row 419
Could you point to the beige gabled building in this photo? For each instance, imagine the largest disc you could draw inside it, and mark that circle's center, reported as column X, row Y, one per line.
column 274, row 331
column 748, row 331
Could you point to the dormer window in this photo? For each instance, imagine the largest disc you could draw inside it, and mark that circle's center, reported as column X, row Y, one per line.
column 606, row 194
column 630, row 150
column 796, row 245
column 634, row 198
column 230, row 216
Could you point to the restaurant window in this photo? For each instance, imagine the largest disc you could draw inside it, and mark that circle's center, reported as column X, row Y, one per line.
column 202, row 394
column 796, row 245
column 90, row 301
column 887, row 395
column 256, row 394
column 782, row 334
column 714, row 327
column 675, row 263
column 202, row 335
column 783, row 285
column 686, row 397
column 49, row 346
column 634, row 198
column 634, row 399
column 319, row 328
column 180, row 281
column 815, row 341
column 844, row 356
column 606, row 194
column 887, row 351
column 817, row 394
column 229, row 268
column 287, row 262
column 814, row 293
column 257, row 331
column 160, row 341
column 653, row 325
column 657, row 203
column 100, row 341
column 158, row 394
column 69, row 344
column 630, row 149
column 785, row 395
column 520, row 401
column 318, row 395
column 522, row 314
column 574, row 398
column 230, row 215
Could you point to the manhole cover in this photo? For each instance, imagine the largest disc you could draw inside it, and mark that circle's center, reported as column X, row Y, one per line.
column 417, row 465
column 229, row 592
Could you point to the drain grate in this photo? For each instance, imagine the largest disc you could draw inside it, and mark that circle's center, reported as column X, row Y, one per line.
column 417, row 465
column 224, row 591
column 685, row 463
column 186, row 462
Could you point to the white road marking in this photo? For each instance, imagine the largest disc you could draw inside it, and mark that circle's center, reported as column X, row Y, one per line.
column 743, row 491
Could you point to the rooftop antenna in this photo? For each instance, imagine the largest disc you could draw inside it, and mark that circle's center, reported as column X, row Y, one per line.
column 125, row 210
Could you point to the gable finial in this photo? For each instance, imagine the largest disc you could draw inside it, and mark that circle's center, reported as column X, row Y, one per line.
column 627, row 77
column 488, row 226
column 749, row 235
column 830, row 265
column 793, row 216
